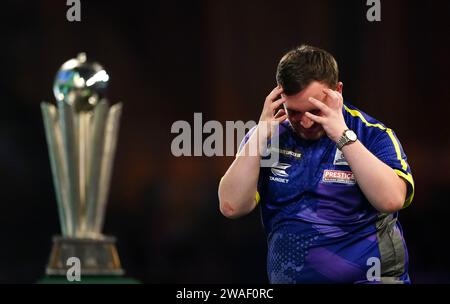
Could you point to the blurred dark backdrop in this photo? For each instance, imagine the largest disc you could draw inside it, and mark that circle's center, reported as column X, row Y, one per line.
column 170, row 59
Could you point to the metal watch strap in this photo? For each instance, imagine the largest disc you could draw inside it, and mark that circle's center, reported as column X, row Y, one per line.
column 343, row 140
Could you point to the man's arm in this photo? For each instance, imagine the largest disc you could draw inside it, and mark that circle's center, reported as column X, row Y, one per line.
column 383, row 188
column 237, row 188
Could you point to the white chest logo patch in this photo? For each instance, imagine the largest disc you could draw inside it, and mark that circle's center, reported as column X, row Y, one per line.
column 339, row 159
column 279, row 170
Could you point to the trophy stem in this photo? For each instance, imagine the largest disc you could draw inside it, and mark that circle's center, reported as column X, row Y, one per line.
column 71, row 160
column 95, row 159
column 84, row 145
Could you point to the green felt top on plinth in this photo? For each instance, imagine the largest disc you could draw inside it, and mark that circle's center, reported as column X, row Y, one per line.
column 88, row 279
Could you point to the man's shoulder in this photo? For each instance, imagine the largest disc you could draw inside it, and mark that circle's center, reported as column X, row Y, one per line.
column 366, row 126
column 354, row 114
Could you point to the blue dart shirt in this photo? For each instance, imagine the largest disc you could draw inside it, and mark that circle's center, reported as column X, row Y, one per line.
column 319, row 225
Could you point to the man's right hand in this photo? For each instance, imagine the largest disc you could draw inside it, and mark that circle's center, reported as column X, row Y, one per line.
column 270, row 117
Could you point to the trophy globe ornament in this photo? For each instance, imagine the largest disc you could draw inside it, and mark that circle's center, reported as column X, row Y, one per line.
column 80, row 83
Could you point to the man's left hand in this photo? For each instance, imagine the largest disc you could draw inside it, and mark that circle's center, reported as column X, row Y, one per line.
column 331, row 117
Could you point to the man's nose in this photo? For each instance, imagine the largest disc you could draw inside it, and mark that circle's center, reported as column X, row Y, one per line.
column 306, row 122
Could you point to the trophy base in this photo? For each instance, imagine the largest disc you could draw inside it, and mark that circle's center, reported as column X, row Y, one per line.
column 96, row 256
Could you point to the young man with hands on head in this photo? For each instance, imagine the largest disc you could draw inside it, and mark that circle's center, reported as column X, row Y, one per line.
column 330, row 204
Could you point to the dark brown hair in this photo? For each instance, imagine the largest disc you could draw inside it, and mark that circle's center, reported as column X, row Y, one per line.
column 304, row 64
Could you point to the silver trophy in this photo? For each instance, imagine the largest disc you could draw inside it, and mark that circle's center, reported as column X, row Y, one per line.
column 81, row 132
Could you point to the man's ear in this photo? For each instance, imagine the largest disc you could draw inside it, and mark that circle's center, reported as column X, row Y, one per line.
column 339, row 87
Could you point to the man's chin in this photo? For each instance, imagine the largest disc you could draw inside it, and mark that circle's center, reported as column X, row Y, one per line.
column 315, row 136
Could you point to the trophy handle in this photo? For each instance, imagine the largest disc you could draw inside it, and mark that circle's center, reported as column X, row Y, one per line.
column 109, row 149
column 58, row 166
column 95, row 152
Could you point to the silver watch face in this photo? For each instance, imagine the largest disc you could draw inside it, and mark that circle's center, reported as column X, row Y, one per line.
column 351, row 135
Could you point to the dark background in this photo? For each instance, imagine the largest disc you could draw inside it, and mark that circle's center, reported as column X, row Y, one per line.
column 170, row 59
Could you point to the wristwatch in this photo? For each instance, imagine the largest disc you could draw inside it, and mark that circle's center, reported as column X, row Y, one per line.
column 347, row 138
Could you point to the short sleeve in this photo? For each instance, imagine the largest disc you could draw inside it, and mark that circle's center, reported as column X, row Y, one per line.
column 388, row 149
column 246, row 138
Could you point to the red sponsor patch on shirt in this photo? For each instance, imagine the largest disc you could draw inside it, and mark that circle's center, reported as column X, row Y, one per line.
column 338, row 176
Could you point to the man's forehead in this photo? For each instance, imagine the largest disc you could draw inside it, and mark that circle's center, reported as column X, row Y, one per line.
column 300, row 101
column 314, row 89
